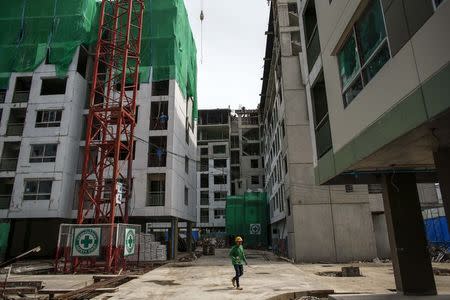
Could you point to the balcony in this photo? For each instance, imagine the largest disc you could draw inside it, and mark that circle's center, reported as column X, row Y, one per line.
column 22, row 89
column 156, row 198
column 155, row 161
column 16, row 121
column 21, row 96
column 5, row 201
column 15, row 129
column 8, row 164
column 2, row 96
column 6, row 187
column 10, row 156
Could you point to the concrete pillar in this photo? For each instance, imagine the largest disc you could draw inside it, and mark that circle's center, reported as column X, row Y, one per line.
column 173, row 238
column 410, row 258
column 189, row 237
column 442, row 162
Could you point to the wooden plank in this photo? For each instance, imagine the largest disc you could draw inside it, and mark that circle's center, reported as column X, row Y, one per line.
column 98, row 278
column 64, row 291
column 18, row 290
column 36, row 284
column 90, row 289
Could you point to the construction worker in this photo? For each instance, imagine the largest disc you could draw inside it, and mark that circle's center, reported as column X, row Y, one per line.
column 237, row 256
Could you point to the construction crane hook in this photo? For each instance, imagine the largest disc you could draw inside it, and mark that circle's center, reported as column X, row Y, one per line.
column 202, row 17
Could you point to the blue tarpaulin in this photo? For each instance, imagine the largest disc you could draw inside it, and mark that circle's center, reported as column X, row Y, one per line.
column 437, row 231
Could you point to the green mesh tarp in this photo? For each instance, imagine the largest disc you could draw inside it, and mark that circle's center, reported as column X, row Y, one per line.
column 172, row 45
column 247, row 216
column 33, row 28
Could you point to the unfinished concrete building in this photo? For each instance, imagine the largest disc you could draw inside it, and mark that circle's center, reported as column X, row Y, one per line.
column 377, row 77
column 310, row 222
column 229, row 161
column 42, row 141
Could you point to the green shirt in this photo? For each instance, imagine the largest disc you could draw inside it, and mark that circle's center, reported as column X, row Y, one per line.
column 237, row 255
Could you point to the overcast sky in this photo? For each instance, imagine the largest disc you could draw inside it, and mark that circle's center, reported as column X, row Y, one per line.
column 233, row 51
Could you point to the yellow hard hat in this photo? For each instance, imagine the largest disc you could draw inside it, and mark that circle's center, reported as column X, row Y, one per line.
column 238, row 239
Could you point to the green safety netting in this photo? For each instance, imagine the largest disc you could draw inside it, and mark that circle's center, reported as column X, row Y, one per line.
column 33, row 28
column 173, row 50
column 247, row 216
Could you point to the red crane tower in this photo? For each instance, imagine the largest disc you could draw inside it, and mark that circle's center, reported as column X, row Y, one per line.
column 106, row 181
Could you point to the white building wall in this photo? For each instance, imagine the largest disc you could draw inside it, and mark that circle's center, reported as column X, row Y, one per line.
column 64, row 172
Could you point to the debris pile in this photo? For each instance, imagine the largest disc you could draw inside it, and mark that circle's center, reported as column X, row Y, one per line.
column 439, row 253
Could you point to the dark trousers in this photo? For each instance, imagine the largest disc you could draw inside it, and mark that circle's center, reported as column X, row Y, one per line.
column 239, row 272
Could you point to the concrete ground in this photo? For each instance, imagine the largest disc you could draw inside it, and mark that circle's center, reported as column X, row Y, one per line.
column 267, row 276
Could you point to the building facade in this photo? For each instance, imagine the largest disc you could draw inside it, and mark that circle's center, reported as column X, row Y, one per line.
column 229, row 161
column 376, row 75
column 43, row 127
column 310, row 222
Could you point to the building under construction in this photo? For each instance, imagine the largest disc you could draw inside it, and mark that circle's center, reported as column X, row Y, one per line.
column 46, row 65
column 230, row 161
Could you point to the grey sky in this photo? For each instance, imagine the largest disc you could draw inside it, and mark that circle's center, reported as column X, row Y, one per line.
column 233, row 51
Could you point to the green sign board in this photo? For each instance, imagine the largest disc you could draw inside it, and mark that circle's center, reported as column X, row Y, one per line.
column 86, row 241
column 130, row 241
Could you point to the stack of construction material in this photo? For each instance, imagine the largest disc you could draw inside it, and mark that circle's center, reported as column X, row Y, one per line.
column 152, row 251
column 161, row 252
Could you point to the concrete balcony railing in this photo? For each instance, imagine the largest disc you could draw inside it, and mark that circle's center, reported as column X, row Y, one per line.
column 15, row 129
column 20, row 97
column 8, row 164
column 5, row 200
column 156, row 198
column 155, row 162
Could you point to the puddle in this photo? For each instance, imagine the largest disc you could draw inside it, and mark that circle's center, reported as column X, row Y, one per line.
column 163, row 282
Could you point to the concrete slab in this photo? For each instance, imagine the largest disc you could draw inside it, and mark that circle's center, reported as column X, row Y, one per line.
column 210, row 278
column 387, row 297
column 267, row 277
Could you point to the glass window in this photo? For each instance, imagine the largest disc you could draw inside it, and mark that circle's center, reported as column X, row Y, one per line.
column 353, row 91
column 370, row 31
column 43, row 153
column 48, row 118
column 37, row 189
column 348, row 59
column 376, row 63
column 255, row 179
column 364, row 53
